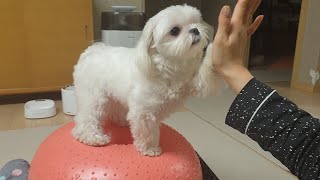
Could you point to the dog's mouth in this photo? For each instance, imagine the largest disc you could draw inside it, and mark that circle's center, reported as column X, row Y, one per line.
column 204, row 52
column 195, row 40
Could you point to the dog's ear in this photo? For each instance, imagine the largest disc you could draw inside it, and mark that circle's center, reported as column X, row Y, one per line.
column 146, row 39
column 144, row 47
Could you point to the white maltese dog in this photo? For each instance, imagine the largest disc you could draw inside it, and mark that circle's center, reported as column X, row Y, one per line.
column 142, row 86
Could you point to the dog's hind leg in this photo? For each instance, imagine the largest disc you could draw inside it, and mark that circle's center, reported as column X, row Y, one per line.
column 91, row 112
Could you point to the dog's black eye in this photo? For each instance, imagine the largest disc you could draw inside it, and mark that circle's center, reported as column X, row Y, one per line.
column 175, row 31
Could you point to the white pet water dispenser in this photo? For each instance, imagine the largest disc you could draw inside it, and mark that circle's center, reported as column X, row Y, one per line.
column 122, row 27
column 69, row 102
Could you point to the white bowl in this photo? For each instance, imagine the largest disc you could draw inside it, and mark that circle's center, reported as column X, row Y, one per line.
column 40, row 108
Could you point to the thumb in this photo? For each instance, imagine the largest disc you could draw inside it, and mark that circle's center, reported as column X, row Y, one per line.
column 224, row 23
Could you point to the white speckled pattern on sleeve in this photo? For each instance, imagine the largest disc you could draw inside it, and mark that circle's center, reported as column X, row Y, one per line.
column 290, row 134
column 246, row 103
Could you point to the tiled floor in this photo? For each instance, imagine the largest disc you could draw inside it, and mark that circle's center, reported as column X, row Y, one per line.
column 213, row 110
column 217, row 149
column 12, row 116
column 201, row 121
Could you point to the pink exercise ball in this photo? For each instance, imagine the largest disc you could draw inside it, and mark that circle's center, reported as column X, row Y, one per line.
column 61, row 156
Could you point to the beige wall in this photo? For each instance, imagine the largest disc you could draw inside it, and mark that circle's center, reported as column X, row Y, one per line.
column 12, row 62
column 100, row 6
column 40, row 43
column 310, row 53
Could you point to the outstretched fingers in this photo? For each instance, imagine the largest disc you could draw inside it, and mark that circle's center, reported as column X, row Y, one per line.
column 254, row 26
column 224, row 23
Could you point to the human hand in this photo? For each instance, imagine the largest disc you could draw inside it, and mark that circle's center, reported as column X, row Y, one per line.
column 228, row 46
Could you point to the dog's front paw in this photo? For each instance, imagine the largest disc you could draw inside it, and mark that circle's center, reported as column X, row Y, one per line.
column 95, row 139
column 98, row 140
column 91, row 138
column 152, row 151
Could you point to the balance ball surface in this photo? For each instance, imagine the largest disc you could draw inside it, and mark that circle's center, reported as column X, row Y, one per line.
column 61, row 156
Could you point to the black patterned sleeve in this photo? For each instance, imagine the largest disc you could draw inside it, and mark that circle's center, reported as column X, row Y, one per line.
column 290, row 134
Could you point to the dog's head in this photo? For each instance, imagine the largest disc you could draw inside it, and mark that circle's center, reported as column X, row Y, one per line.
column 175, row 33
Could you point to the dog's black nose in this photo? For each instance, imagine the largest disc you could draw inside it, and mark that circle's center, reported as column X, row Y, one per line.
column 195, row 31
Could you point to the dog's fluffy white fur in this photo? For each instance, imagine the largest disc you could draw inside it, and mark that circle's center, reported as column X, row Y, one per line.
column 142, row 86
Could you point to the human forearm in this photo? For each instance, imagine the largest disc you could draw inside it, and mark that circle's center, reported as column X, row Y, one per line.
column 290, row 134
column 236, row 76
